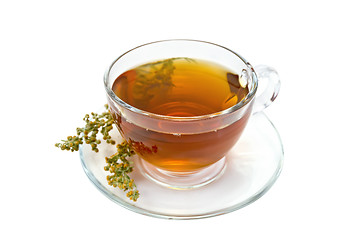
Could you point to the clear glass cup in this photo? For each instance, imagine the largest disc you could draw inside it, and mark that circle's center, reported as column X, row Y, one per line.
column 187, row 152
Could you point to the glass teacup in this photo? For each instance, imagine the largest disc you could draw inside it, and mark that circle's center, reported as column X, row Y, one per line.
column 177, row 150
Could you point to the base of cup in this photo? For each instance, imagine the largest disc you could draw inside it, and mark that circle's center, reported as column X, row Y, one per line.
column 181, row 180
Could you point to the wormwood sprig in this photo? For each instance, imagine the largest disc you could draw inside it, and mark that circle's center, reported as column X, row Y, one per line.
column 117, row 164
column 94, row 124
column 119, row 167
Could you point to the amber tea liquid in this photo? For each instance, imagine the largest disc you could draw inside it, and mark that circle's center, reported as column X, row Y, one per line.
column 181, row 87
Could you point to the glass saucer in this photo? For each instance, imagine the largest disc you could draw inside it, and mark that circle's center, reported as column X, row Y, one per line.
column 252, row 167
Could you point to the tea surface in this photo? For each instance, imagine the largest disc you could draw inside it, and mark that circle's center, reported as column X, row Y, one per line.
column 180, row 87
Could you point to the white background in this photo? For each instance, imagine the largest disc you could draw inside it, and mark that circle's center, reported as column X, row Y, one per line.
column 52, row 58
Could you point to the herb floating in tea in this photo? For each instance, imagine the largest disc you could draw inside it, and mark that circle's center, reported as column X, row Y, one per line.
column 117, row 164
column 144, row 82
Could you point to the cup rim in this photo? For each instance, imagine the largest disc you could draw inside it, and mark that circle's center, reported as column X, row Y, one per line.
column 249, row 97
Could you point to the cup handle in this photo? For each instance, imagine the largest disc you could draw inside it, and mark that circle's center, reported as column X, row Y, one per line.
column 268, row 87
